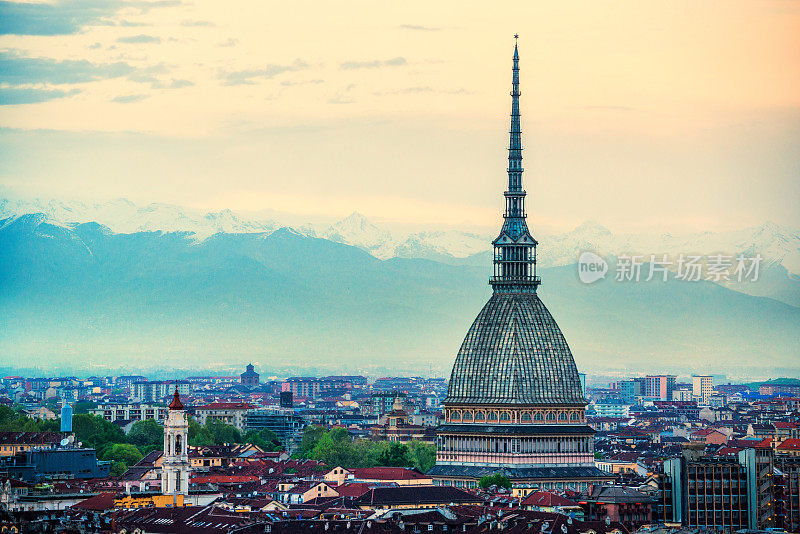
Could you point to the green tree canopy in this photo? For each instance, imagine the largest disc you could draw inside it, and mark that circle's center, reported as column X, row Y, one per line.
column 94, row 431
column 121, row 456
column 423, row 455
column 147, row 435
column 311, row 436
column 265, row 439
column 494, row 480
column 396, row 455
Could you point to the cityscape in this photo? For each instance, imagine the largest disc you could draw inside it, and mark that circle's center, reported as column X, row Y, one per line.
column 485, row 378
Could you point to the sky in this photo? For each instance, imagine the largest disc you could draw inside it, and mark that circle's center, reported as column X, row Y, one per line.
column 676, row 116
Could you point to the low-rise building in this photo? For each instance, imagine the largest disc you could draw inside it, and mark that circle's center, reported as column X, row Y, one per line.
column 130, row 412
column 230, row 413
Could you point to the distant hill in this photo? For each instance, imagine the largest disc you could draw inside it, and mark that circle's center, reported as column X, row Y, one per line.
column 82, row 293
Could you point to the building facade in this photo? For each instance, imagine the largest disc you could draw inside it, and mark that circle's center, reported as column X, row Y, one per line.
column 702, row 388
column 515, row 403
column 130, row 412
column 659, row 386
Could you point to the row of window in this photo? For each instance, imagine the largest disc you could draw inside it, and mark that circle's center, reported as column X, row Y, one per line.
column 468, row 416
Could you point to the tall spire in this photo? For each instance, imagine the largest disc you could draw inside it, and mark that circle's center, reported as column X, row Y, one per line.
column 515, row 248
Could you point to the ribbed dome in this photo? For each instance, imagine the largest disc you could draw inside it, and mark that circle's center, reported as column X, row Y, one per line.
column 515, row 353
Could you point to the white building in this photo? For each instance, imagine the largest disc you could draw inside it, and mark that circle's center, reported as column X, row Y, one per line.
column 130, row 412
column 683, row 395
column 175, row 465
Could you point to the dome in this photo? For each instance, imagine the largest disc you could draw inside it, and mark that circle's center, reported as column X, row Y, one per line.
column 176, row 403
column 515, row 353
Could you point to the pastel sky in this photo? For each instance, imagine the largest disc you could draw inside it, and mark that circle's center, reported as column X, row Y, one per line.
column 680, row 115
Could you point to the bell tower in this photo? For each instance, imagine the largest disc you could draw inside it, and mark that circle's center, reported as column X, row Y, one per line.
column 175, row 468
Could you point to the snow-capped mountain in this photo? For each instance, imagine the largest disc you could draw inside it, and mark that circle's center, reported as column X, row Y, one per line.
column 357, row 231
column 123, row 216
column 778, row 246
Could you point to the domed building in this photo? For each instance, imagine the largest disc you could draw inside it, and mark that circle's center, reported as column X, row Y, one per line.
column 515, row 402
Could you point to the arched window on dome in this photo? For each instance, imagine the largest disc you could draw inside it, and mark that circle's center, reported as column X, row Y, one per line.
column 562, row 416
column 505, row 417
column 492, row 416
column 573, row 416
column 526, row 417
column 467, row 416
column 455, row 415
column 538, row 416
column 551, row 416
column 480, row 416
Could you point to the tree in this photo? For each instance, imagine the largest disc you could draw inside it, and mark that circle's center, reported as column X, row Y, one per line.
column 121, row 455
column 83, row 407
column 222, row 433
column 496, row 479
column 423, row 455
column 147, row 435
column 94, row 431
column 123, row 452
column 335, row 448
column 396, row 455
column 311, row 436
column 265, row 439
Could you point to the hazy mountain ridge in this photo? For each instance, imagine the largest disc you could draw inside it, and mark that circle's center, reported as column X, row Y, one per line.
column 83, row 292
column 778, row 246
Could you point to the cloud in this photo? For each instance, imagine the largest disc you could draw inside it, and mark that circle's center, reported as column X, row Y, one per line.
column 419, row 28
column 65, row 17
column 422, row 89
column 10, row 96
column 127, row 99
column 178, row 84
column 249, row 76
column 305, row 82
column 197, row 23
column 230, row 42
column 18, row 70
column 394, row 62
column 129, row 24
column 139, row 39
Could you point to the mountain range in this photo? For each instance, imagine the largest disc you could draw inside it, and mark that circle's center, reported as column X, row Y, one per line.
column 779, row 271
column 72, row 293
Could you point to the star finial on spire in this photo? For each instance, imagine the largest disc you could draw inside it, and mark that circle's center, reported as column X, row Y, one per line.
column 516, row 36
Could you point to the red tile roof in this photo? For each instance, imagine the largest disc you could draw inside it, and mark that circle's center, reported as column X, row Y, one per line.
column 100, row 502
column 547, row 499
column 791, row 444
column 353, row 489
column 387, row 473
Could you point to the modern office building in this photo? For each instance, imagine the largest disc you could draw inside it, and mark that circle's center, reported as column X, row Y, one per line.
column 659, row 386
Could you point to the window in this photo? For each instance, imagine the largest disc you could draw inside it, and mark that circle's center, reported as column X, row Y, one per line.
column 573, row 416
column 492, row 416
column 526, row 417
column 562, row 416
column 538, row 416
column 480, row 416
column 467, row 416
column 455, row 415
column 551, row 416
column 505, row 417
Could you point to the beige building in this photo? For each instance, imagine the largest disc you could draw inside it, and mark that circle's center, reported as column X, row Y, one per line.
column 702, row 388
column 230, row 413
